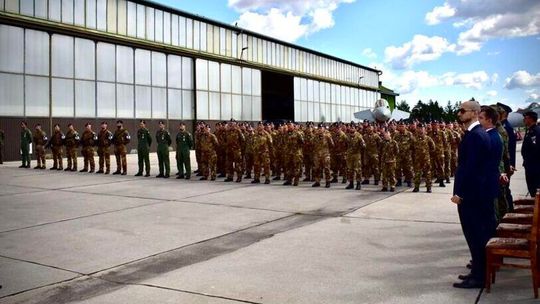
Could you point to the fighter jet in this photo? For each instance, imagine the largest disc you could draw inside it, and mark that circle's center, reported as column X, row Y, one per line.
column 516, row 118
column 381, row 113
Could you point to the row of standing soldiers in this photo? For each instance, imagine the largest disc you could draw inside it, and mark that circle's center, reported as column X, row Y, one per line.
column 393, row 154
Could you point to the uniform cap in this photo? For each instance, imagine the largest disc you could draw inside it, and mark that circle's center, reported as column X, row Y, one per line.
column 119, row 121
column 504, row 107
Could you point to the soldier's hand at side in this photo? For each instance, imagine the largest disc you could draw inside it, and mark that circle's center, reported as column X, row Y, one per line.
column 456, row 199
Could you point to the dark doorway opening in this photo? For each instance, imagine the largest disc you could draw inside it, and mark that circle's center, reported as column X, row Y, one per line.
column 277, row 96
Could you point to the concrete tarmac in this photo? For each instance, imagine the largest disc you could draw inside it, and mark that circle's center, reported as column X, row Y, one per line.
column 70, row 237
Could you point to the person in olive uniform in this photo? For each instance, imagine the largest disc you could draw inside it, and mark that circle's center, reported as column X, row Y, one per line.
column 40, row 140
column 88, row 141
column 26, row 140
column 184, row 143
column 56, row 142
column 120, row 139
column 144, row 141
column 72, row 142
column 104, row 143
column 163, row 138
column 2, row 138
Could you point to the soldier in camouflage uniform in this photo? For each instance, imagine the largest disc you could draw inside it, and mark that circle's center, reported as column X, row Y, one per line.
column 248, row 151
column 404, row 138
column 447, row 151
column 422, row 146
column 104, row 143
column 454, row 145
column 121, row 138
column 199, row 130
column 389, row 152
column 323, row 143
column 184, row 143
column 294, row 141
column 40, row 140
column 439, row 138
column 371, row 155
column 262, row 145
column 88, row 140
column 56, row 142
column 72, row 143
column 164, row 141
column 307, row 151
column 208, row 143
column 144, row 141
column 278, row 138
column 337, row 158
column 26, row 140
column 355, row 148
column 235, row 141
column 221, row 152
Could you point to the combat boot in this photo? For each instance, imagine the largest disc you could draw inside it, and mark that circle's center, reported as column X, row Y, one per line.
column 108, row 171
column 287, row 183
column 316, row 184
column 376, row 183
column 307, row 179
column 220, row 175
column 256, row 181
column 334, row 180
column 248, row 176
column 91, row 171
column 138, row 174
column 415, row 189
column 53, row 168
column 84, row 170
column 203, row 178
column 327, row 185
column 428, row 190
column 160, row 175
column 358, row 186
column 384, row 189
column 267, row 181
column 99, row 171
column 180, row 176
column 295, row 183
column 399, row 183
column 365, row 182
column 278, row 177
column 228, row 179
column 116, row 172
column 146, row 175
column 344, row 180
column 37, row 167
column 239, row 179
column 409, row 184
column 392, row 189
column 448, row 180
column 350, row 185
column 441, row 184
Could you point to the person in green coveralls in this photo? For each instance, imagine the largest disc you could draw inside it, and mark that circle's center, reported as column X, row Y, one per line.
column 143, row 148
column 26, row 139
column 163, row 138
column 184, row 143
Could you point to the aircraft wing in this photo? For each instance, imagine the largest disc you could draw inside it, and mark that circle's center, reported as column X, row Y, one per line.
column 398, row 115
column 364, row 115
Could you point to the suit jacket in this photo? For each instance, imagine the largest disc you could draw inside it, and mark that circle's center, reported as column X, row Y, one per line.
column 471, row 179
column 495, row 157
column 512, row 140
column 530, row 150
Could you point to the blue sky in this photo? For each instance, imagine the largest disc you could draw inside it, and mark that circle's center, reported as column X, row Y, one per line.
column 430, row 49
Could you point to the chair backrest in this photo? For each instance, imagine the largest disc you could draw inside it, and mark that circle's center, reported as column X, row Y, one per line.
column 535, row 233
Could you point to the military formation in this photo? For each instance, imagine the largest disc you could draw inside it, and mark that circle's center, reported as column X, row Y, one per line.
column 391, row 154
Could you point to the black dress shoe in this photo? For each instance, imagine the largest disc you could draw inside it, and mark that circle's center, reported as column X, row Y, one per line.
column 469, row 266
column 469, row 284
column 464, row 277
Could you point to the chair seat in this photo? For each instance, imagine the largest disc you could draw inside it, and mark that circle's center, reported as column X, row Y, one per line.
column 524, row 201
column 517, row 218
column 508, row 243
column 513, row 230
column 524, row 209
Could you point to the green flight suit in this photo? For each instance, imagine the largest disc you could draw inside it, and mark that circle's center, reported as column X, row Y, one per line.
column 144, row 141
column 26, row 140
column 163, row 138
column 184, row 143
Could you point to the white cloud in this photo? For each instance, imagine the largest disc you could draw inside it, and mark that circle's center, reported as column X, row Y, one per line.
column 438, row 13
column 491, row 93
column 494, row 78
column 474, row 80
column 485, row 20
column 533, row 97
column 522, row 79
column 286, row 19
column 369, row 53
column 420, row 49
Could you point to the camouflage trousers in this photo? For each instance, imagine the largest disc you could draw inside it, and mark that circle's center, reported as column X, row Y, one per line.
column 337, row 164
column 321, row 165
column 88, row 154
column 308, row 164
column 57, row 157
column 234, row 164
column 422, row 168
column 221, row 160
column 71, row 155
column 198, row 157
column 121, row 158
column 293, row 167
column 388, row 174
column 404, row 167
column 104, row 154
column 209, row 164
column 261, row 161
column 40, row 155
column 249, row 160
column 453, row 163
column 354, row 168
column 278, row 163
column 447, row 164
column 371, row 166
column 438, row 166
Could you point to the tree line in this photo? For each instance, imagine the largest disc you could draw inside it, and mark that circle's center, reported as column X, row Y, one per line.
column 430, row 111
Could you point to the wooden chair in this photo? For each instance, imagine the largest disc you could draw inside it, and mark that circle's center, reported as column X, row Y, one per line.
column 499, row 248
column 524, row 201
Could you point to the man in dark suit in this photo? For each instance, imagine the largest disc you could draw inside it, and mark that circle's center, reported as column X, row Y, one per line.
column 512, row 141
column 530, row 150
column 475, row 205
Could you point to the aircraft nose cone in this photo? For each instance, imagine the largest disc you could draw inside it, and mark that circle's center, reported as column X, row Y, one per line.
column 382, row 113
